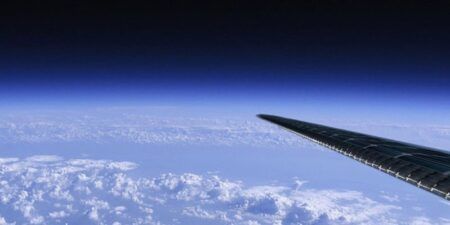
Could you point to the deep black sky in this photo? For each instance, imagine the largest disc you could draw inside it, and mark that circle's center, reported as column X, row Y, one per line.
column 334, row 42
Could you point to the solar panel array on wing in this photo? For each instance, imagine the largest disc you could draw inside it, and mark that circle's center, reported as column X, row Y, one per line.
column 424, row 167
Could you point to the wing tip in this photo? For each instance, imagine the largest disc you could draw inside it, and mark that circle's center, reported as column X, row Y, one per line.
column 262, row 116
column 266, row 117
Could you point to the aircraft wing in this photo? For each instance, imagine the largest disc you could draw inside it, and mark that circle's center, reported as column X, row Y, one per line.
column 423, row 167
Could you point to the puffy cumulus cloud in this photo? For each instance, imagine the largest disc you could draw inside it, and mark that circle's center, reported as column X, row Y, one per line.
column 52, row 190
column 47, row 189
column 3, row 221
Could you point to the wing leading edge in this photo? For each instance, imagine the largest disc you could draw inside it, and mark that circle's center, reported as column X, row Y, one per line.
column 423, row 167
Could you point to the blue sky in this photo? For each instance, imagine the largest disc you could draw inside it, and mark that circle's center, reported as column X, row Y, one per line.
column 214, row 53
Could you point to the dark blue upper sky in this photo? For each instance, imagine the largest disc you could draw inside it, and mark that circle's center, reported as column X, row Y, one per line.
column 327, row 48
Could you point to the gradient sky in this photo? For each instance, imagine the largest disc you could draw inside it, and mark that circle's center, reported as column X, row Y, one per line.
column 329, row 52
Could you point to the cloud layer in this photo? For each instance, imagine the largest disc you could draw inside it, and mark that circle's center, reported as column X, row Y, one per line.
column 138, row 128
column 117, row 126
column 48, row 189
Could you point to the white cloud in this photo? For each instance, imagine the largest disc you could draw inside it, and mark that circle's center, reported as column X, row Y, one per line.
column 48, row 189
column 196, row 211
column 111, row 126
column 57, row 191
column 58, row 214
column 420, row 221
column 141, row 128
column 391, row 198
column 3, row 221
column 44, row 158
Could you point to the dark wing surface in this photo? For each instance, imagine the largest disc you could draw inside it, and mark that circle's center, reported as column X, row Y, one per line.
column 423, row 167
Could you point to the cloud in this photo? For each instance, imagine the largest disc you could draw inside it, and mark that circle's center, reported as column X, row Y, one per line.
column 141, row 128
column 47, row 189
column 3, row 221
column 44, row 158
column 52, row 190
column 112, row 126
column 420, row 221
